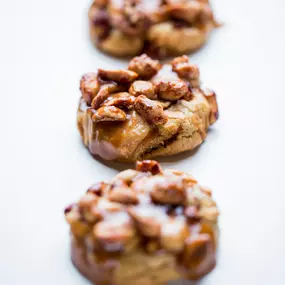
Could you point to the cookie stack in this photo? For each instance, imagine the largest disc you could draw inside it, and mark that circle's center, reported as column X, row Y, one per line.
column 150, row 225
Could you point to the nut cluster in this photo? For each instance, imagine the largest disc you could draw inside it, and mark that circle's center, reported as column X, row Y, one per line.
column 134, row 17
column 147, row 207
column 110, row 94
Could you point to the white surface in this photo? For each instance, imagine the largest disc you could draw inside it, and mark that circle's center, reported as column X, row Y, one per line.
column 44, row 166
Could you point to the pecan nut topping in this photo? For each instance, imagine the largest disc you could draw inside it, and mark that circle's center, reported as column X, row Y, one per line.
column 151, row 111
column 115, row 221
column 120, row 76
column 143, row 88
column 144, row 66
column 172, row 90
column 89, row 86
column 109, row 114
column 164, row 109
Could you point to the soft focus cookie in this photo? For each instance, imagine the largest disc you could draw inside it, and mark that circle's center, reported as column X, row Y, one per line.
column 160, row 27
column 145, row 111
column 146, row 227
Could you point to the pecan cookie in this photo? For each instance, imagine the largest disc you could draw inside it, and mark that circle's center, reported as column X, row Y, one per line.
column 145, row 111
column 146, row 227
column 158, row 27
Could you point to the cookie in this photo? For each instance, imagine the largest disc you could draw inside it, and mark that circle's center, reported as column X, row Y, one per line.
column 160, row 28
column 145, row 111
column 146, row 227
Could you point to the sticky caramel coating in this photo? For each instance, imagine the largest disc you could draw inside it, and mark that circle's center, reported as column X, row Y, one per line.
column 145, row 111
column 128, row 27
column 146, row 226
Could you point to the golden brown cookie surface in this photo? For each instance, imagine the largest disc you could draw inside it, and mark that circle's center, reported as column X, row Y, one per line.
column 146, row 226
column 145, row 111
column 159, row 27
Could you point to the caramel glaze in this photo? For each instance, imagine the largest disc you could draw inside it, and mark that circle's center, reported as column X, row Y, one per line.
column 107, row 139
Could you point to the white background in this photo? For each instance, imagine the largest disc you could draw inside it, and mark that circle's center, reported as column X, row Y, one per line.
column 44, row 166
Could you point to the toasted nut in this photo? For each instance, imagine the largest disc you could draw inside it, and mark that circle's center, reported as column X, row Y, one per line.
column 89, row 86
column 109, row 114
column 97, row 188
column 150, row 110
column 132, row 22
column 100, row 3
column 77, row 226
column 143, row 88
column 206, row 190
column 120, row 76
column 212, row 100
column 184, row 69
column 144, row 66
column 100, row 21
column 188, row 12
column 123, row 195
column 209, row 213
column 173, row 234
column 198, row 249
column 107, row 206
column 104, row 93
column 172, row 90
column 170, row 190
column 148, row 219
column 127, row 175
column 192, row 214
column 149, row 166
column 120, row 100
column 180, row 59
column 86, row 204
column 113, row 235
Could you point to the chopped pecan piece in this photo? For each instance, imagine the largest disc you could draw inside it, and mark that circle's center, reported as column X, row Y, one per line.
column 168, row 191
column 212, row 100
column 100, row 18
column 123, row 195
column 89, row 86
column 144, row 66
column 100, row 3
column 197, row 249
column 133, row 21
column 188, row 12
column 179, row 59
column 104, row 93
column 173, row 234
column 86, row 204
column 78, row 227
column 152, row 112
column 127, row 175
column 120, row 192
column 149, row 166
column 192, row 214
column 184, row 69
column 97, row 188
column 120, row 100
column 113, row 235
column 148, row 219
column 172, row 89
column 143, row 88
column 106, row 206
column 109, row 114
column 120, row 75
